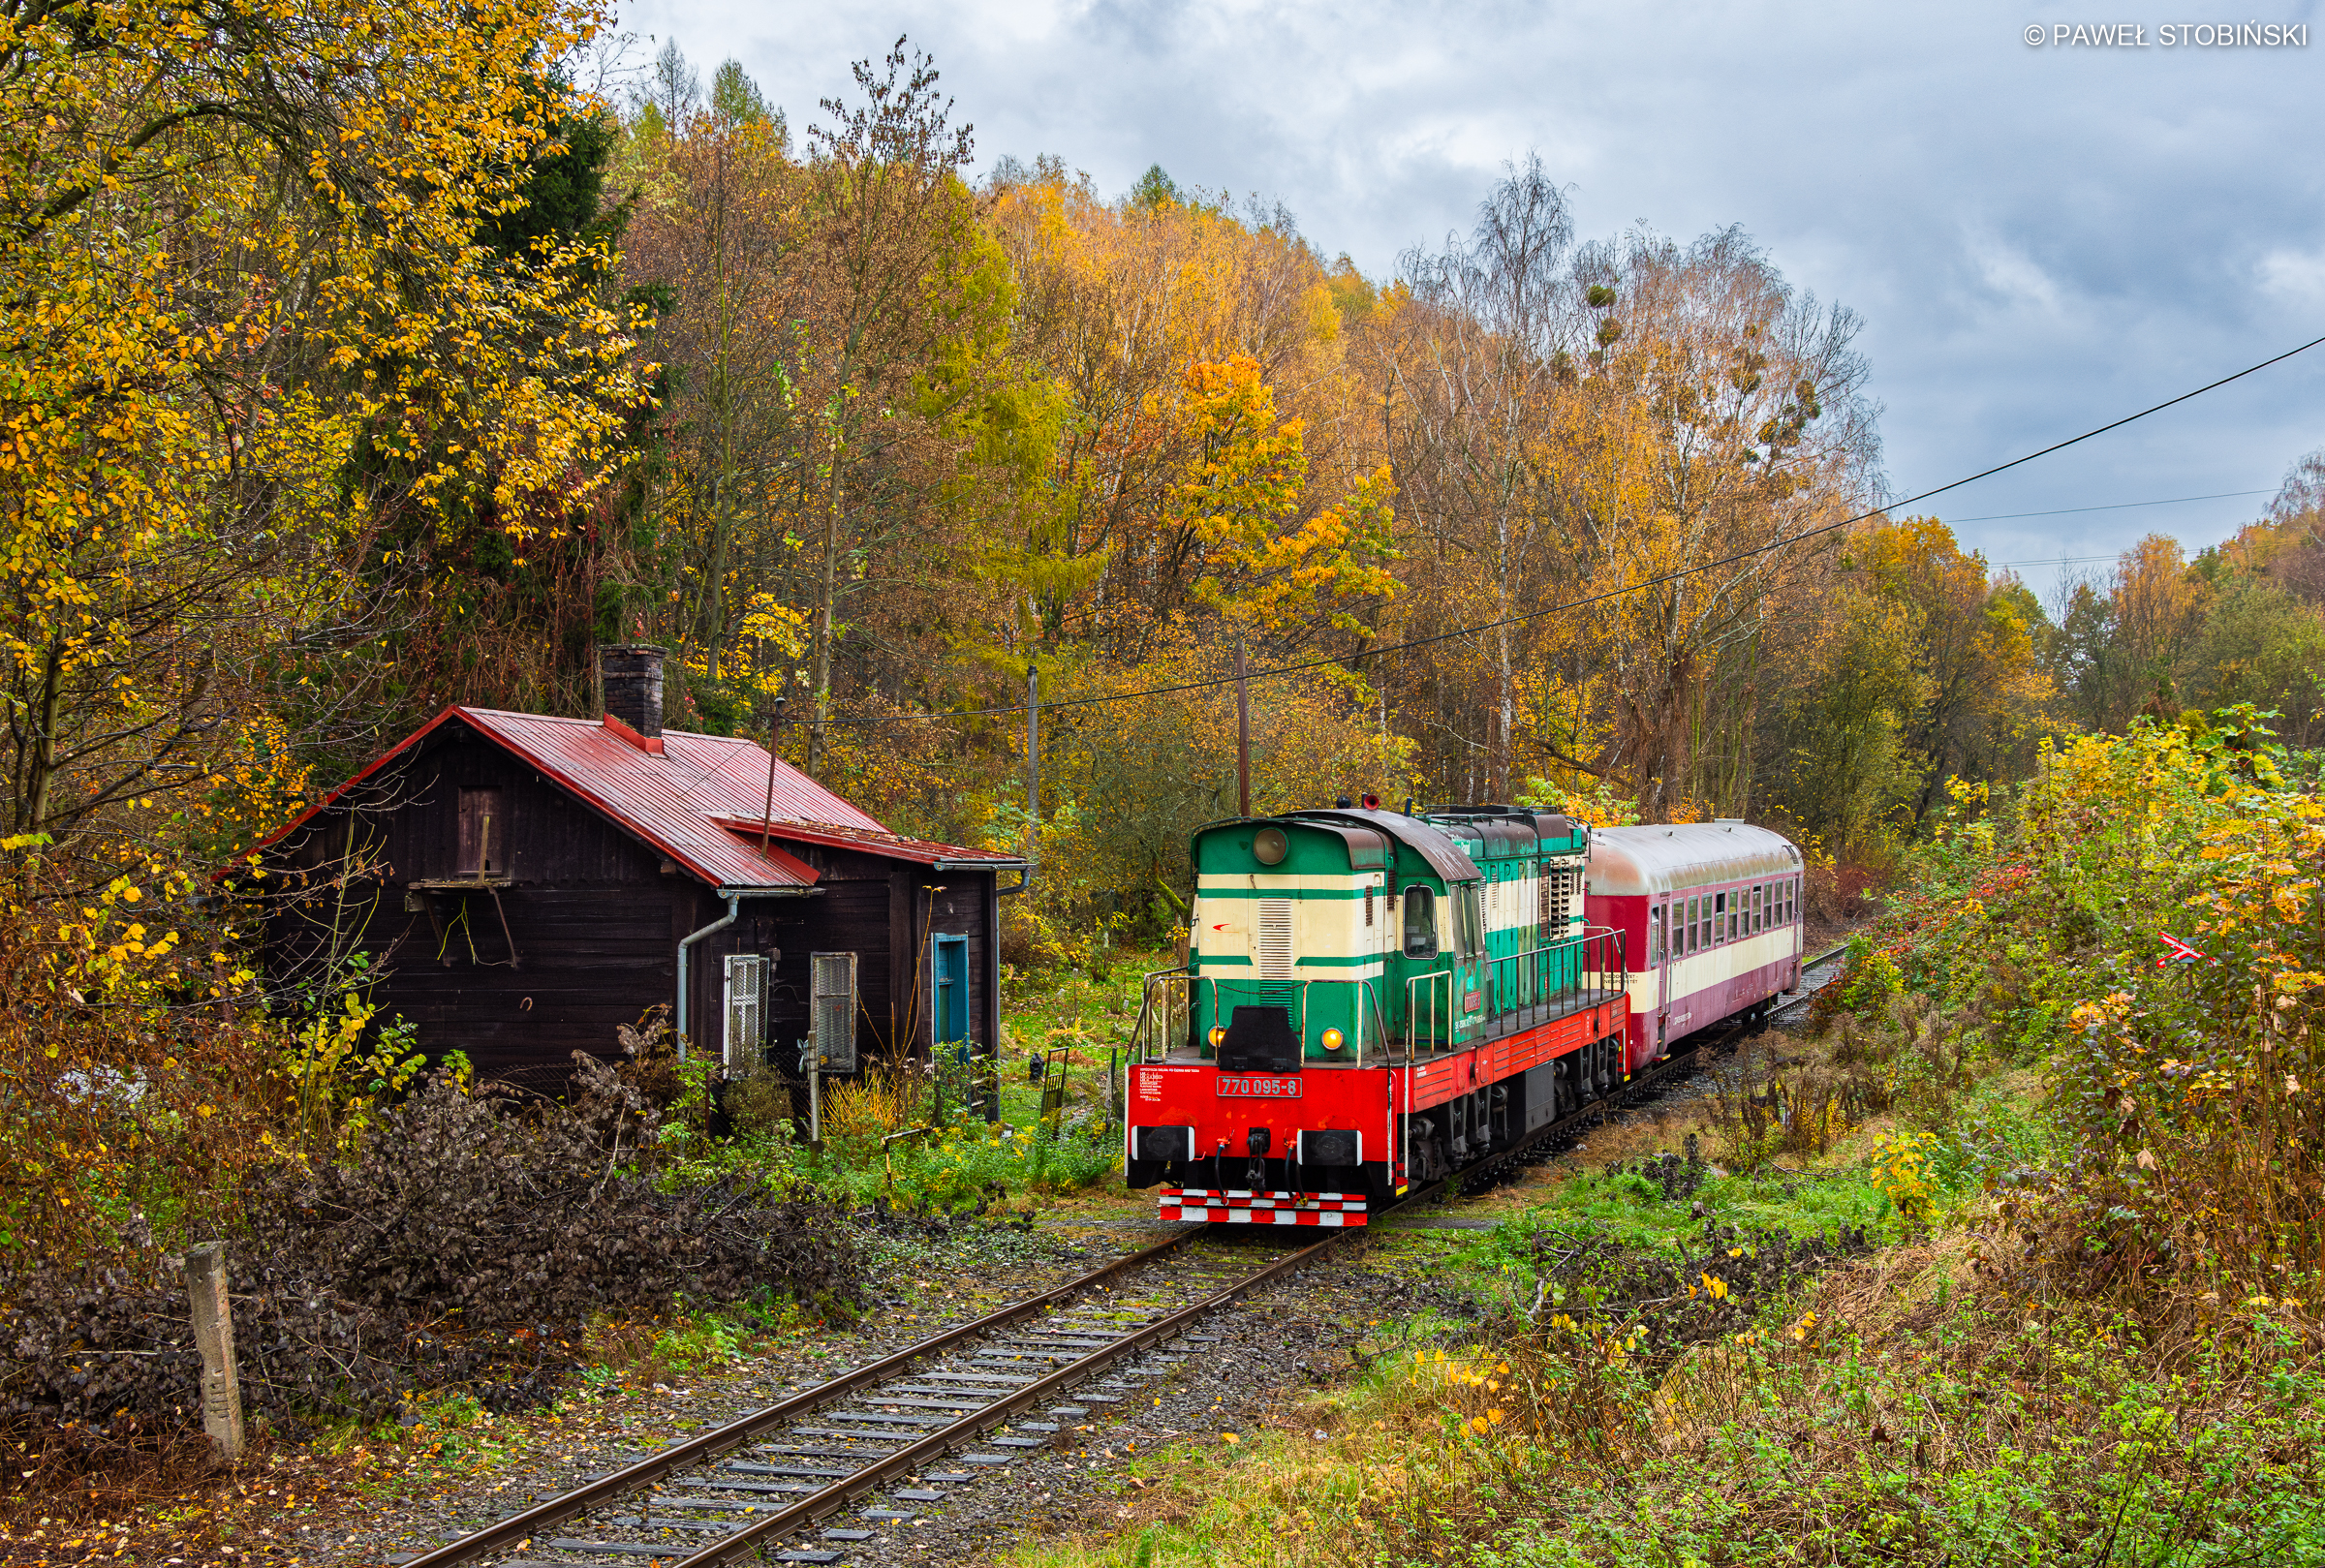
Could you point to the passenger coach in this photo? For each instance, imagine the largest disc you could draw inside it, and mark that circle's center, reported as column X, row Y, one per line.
column 1710, row 913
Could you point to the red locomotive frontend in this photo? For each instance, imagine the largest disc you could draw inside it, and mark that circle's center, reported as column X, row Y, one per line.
column 1277, row 1149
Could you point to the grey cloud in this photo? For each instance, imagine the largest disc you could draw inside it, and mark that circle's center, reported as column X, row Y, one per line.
column 2039, row 240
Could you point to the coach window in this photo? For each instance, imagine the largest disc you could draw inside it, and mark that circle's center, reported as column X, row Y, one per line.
column 1756, row 906
column 1420, row 922
column 1724, row 921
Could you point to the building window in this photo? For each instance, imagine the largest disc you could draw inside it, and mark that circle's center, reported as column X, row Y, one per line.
column 483, row 834
column 832, row 1008
column 744, row 1048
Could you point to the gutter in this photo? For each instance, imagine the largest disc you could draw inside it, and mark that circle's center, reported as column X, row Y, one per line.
column 1023, row 868
column 735, row 897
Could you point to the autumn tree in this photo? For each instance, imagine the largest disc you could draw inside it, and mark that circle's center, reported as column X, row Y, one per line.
column 255, row 308
column 1479, row 368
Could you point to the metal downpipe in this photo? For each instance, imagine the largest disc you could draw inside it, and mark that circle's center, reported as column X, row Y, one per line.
column 734, row 909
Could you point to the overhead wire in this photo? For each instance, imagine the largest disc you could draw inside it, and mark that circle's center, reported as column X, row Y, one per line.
column 1786, row 542
column 2117, row 506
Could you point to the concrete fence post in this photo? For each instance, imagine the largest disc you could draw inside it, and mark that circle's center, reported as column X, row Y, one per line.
column 214, row 1336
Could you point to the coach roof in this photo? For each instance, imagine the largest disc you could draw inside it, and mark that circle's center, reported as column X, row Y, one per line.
column 1627, row 862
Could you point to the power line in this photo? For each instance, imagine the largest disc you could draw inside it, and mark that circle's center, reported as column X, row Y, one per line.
column 2120, row 505
column 1611, row 594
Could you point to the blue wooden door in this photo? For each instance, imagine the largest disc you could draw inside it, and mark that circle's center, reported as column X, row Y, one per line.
column 948, row 987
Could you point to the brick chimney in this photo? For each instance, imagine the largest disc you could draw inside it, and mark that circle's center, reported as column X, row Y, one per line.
column 631, row 675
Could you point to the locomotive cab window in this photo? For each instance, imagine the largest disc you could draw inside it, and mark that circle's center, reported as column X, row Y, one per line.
column 1420, row 922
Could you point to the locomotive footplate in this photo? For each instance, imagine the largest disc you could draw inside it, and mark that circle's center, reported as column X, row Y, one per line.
column 1236, row 1206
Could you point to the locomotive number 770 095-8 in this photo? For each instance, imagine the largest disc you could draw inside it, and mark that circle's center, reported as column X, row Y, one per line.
column 1245, row 1086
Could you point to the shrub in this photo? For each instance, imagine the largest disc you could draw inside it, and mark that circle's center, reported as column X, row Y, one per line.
column 468, row 1243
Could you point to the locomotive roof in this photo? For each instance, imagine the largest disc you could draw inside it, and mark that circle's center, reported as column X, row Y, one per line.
column 1446, row 858
column 1627, row 862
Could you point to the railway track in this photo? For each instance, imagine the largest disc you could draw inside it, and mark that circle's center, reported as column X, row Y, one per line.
column 906, row 1428
column 910, row 1427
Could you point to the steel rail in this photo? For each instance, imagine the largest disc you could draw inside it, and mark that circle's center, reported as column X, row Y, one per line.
column 749, row 1539
column 735, row 1433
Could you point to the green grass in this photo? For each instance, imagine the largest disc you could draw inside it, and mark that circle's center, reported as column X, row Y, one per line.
column 1630, row 1208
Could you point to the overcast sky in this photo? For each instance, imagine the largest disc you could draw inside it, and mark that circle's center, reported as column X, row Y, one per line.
column 2040, row 238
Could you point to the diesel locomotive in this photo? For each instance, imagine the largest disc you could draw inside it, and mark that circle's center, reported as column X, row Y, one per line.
column 1375, row 999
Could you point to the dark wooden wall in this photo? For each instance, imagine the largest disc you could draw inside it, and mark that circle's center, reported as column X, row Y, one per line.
column 879, row 909
column 596, row 919
column 589, row 908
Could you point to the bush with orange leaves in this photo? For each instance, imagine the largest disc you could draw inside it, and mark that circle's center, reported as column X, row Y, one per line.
column 2143, row 919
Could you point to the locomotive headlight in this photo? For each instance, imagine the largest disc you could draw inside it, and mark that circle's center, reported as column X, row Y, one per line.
column 1332, row 1040
column 1219, row 1037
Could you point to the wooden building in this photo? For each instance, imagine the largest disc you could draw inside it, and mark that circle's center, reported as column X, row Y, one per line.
column 520, row 885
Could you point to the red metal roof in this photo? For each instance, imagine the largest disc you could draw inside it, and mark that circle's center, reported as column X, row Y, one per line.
column 878, row 841
column 689, row 801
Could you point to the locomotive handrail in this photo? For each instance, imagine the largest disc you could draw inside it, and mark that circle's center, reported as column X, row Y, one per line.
column 1415, row 988
column 1167, row 1003
column 1159, row 1022
column 1588, row 938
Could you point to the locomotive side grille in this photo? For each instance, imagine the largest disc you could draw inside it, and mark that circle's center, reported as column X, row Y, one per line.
column 1275, row 939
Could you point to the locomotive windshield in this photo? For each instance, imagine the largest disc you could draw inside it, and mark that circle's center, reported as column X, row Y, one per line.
column 1420, row 922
